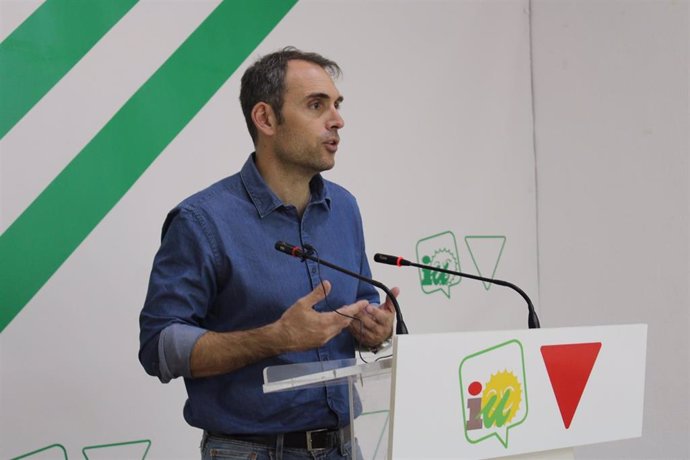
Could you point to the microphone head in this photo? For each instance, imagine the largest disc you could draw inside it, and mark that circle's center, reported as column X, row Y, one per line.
column 390, row 260
column 289, row 249
column 282, row 246
column 383, row 259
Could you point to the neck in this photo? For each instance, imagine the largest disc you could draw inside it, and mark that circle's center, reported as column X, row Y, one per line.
column 292, row 187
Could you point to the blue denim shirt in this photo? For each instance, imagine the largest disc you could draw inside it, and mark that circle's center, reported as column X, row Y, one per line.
column 217, row 270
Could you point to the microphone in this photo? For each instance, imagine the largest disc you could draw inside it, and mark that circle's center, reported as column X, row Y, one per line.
column 307, row 253
column 532, row 319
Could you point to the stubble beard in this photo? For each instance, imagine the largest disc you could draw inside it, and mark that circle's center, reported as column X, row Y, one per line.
column 308, row 159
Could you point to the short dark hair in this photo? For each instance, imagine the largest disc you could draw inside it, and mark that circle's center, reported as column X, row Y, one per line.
column 264, row 81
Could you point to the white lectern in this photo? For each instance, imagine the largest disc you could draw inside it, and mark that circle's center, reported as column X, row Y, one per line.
column 526, row 393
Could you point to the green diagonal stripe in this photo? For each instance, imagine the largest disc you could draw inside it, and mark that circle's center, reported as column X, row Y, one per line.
column 52, row 227
column 46, row 46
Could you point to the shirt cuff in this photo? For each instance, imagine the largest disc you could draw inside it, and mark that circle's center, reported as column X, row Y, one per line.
column 175, row 346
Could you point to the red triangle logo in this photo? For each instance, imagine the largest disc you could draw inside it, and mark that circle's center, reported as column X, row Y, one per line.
column 569, row 367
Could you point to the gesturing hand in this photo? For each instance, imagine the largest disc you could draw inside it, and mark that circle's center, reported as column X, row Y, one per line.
column 375, row 323
column 303, row 328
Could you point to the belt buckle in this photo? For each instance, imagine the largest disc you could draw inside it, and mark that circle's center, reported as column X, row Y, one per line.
column 309, row 441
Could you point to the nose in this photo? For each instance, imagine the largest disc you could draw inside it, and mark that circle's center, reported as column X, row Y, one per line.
column 336, row 121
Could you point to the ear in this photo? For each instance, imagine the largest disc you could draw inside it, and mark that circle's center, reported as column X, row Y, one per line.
column 264, row 119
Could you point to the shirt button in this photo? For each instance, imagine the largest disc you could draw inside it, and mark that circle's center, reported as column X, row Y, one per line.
column 313, row 269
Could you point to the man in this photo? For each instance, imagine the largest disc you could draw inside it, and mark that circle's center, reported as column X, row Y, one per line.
column 223, row 304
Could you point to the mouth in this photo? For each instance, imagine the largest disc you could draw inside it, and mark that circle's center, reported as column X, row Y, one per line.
column 332, row 144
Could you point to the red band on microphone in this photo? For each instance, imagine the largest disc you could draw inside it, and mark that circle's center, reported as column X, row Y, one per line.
column 399, row 262
column 295, row 251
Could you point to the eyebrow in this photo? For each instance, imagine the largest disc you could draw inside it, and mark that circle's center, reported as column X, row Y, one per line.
column 324, row 96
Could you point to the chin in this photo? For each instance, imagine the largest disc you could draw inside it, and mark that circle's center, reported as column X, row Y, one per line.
column 325, row 163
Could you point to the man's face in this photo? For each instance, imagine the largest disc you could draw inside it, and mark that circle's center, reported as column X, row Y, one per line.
column 307, row 139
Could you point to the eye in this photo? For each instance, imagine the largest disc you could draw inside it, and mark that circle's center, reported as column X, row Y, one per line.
column 315, row 105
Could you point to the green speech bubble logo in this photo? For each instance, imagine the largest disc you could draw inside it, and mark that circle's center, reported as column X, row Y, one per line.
column 493, row 389
column 438, row 251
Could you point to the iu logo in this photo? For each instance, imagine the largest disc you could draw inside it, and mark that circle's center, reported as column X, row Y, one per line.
column 439, row 251
column 493, row 392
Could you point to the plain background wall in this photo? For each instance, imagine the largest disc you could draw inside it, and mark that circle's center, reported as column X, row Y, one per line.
column 611, row 117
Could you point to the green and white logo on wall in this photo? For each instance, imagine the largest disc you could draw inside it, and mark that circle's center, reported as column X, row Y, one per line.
column 486, row 252
column 439, row 251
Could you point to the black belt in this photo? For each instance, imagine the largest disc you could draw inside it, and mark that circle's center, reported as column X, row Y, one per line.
column 326, row 438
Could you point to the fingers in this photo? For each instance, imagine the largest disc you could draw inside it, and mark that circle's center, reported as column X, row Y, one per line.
column 388, row 304
column 373, row 315
column 374, row 325
column 353, row 310
column 305, row 328
column 308, row 328
column 316, row 295
column 344, row 314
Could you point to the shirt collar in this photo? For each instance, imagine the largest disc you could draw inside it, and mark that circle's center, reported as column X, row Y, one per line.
column 263, row 197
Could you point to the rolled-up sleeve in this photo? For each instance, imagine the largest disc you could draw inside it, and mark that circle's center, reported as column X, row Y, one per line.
column 182, row 286
column 175, row 345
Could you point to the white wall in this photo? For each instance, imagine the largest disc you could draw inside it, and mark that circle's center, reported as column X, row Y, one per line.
column 611, row 111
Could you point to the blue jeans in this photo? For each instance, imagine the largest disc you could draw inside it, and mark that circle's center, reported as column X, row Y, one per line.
column 216, row 447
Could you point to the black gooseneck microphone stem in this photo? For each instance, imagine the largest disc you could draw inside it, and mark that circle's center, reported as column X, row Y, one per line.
column 532, row 318
column 296, row 251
